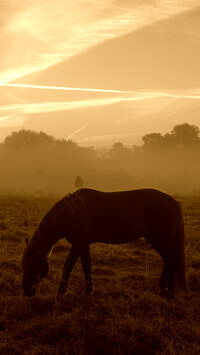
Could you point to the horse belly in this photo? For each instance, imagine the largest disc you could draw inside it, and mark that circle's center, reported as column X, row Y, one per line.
column 118, row 231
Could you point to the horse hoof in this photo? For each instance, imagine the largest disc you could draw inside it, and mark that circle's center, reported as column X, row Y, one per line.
column 164, row 292
column 171, row 295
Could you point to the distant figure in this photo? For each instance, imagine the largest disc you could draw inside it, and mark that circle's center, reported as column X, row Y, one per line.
column 78, row 183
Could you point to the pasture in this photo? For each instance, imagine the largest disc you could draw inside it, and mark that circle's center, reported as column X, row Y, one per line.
column 126, row 314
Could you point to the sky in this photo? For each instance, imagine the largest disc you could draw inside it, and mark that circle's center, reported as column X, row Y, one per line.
column 99, row 72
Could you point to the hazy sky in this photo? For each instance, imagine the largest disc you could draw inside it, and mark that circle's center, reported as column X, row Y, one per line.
column 99, row 72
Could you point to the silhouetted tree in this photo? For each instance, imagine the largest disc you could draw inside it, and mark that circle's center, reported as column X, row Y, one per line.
column 119, row 151
column 152, row 139
column 28, row 139
column 182, row 136
column 153, row 143
column 186, row 135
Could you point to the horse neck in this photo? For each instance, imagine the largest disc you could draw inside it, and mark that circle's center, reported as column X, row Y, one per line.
column 45, row 240
column 51, row 229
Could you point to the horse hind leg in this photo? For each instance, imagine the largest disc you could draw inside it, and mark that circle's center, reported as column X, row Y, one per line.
column 86, row 265
column 171, row 280
column 167, row 280
column 163, row 282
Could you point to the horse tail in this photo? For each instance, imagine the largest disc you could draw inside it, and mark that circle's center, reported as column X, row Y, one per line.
column 181, row 279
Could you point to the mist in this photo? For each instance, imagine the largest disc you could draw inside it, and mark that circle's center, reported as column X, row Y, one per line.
column 37, row 163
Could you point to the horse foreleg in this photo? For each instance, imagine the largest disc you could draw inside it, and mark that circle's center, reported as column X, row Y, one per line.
column 171, row 283
column 86, row 265
column 68, row 266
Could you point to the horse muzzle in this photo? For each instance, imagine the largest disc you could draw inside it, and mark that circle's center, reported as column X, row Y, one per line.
column 30, row 288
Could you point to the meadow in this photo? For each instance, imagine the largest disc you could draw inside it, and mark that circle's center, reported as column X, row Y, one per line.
column 126, row 314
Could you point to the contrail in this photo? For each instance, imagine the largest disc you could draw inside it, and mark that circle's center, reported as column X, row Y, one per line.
column 190, row 94
column 63, row 88
column 78, row 130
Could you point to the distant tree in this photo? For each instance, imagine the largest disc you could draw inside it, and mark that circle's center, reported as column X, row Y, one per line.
column 28, row 139
column 182, row 136
column 186, row 135
column 119, row 151
column 152, row 139
column 136, row 149
column 118, row 146
column 63, row 143
column 65, row 147
column 153, row 143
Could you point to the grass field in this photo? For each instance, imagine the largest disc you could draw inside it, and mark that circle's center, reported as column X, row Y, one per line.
column 126, row 314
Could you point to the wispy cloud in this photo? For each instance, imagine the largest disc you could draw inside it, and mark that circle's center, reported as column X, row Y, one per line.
column 58, row 106
column 40, row 34
column 11, row 121
column 151, row 101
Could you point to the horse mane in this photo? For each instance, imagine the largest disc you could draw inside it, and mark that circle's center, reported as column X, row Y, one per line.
column 74, row 202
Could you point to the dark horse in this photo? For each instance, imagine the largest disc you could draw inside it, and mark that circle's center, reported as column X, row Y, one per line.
column 88, row 216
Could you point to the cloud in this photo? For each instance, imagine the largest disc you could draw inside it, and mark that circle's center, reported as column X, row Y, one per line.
column 189, row 28
column 115, row 117
column 41, row 33
column 11, row 121
column 141, row 103
column 58, row 106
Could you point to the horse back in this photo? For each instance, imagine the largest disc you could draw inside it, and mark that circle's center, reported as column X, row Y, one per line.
column 120, row 217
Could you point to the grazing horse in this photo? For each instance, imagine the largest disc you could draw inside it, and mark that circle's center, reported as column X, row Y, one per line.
column 88, row 216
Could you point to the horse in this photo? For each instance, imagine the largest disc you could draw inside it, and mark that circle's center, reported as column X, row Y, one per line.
column 88, row 216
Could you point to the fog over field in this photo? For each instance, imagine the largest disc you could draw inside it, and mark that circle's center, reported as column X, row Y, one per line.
column 34, row 162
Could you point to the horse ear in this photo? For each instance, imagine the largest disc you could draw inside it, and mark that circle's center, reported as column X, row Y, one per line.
column 27, row 240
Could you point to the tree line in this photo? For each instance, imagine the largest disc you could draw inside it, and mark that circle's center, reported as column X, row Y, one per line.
column 35, row 160
column 182, row 137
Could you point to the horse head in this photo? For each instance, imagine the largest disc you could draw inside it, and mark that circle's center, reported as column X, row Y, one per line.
column 34, row 266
